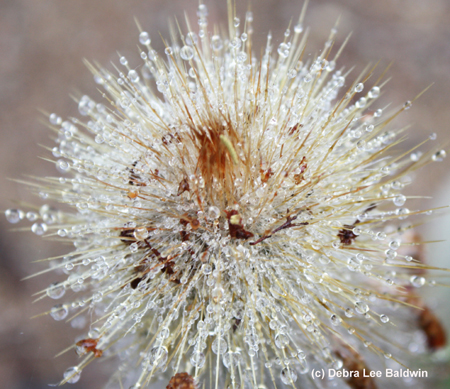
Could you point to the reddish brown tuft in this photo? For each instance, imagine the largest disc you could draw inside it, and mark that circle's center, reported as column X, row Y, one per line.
column 182, row 381
column 353, row 362
column 434, row 331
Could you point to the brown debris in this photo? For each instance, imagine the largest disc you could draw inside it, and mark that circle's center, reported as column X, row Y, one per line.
column 287, row 224
column 90, row 345
column 295, row 128
column 433, row 329
column 353, row 362
column 182, row 381
column 183, row 187
column 265, row 175
column 236, row 227
column 135, row 179
column 346, row 235
column 298, row 178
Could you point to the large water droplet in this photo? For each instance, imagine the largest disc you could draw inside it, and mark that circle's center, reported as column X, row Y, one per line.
column 144, row 38
column 72, row 375
column 288, row 375
column 12, row 215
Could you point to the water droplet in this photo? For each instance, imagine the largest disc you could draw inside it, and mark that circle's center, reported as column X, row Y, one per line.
column 83, row 105
column 133, row 76
column 283, row 50
column 335, row 320
column 439, row 156
column 191, row 38
column 384, row 318
column 407, row 105
column 141, row 233
column 359, row 87
column 288, row 375
column 63, row 166
column 378, row 113
column 417, row 281
column 59, row 312
column 168, row 50
column 216, row 42
column 158, row 356
column 54, row 119
column 56, row 290
column 32, row 216
column 198, row 359
column 187, row 53
column 202, row 11
column 206, row 268
column 213, row 212
column 144, row 38
column 231, row 359
column 13, row 215
column 399, row 200
column 298, row 28
column 374, row 93
column 39, row 228
column 219, row 346
column 72, row 375
column 281, row 340
column 361, row 307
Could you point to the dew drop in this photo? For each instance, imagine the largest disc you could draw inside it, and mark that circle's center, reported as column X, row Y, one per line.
column 417, row 281
column 158, row 356
column 399, row 200
column 359, row 87
column 144, row 38
column 288, row 375
column 39, row 228
column 63, row 166
column 335, row 320
column 281, row 340
column 133, row 76
column 407, row 105
column 56, row 290
column 439, row 156
column 141, row 233
column 13, row 215
column 213, row 212
column 72, row 375
column 187, row 53
column 361, row 307
column 219, row 346
column 374, row 93
column 298, row 28
column 198, row 359
column 59, row 312
column 283, row 50
column 216, row 42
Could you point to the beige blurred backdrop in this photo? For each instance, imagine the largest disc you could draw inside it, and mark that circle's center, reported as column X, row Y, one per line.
column 42, row 44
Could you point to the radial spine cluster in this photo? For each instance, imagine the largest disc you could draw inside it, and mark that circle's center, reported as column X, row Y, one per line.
column 235, row 218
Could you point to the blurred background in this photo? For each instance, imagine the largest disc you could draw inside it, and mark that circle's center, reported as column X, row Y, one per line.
column 42, row 44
